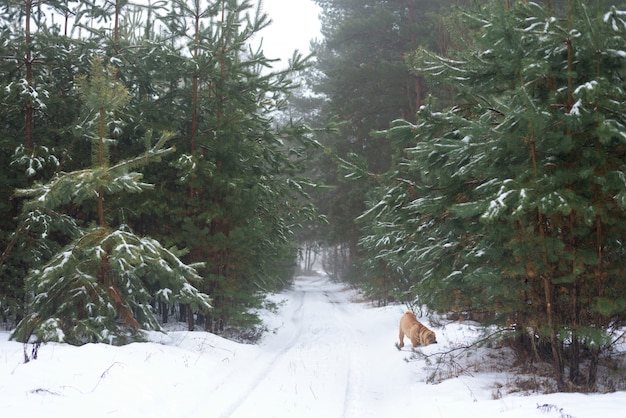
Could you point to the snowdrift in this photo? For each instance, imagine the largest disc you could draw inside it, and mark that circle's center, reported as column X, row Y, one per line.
column 326, row 355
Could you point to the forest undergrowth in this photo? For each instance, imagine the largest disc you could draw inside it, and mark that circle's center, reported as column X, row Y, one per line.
column 515, row 370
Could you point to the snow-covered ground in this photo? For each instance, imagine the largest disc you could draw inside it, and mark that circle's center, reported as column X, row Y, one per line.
column 327, row 355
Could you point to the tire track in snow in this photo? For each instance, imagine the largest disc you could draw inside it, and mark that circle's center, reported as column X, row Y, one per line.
column 353, row 378
column 308, row 367
column 350, row 340
column 239, row 381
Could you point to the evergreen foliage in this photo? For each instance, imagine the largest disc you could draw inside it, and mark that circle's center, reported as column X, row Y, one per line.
column 237, row 187
column 511, row 202
column 229, row 192
column 101, row 286
column 36, row 112
column 366, row 83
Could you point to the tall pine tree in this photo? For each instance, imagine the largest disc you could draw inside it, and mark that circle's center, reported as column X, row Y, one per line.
column 102, row 285
column 234, row 191
column 366, row 83
column 231, row 193
column 38, row 106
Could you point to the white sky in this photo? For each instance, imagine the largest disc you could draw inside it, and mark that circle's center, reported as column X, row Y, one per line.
column 294, row 24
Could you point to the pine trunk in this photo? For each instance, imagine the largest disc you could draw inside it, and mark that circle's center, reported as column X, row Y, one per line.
column 101, row 162
column 28, row 63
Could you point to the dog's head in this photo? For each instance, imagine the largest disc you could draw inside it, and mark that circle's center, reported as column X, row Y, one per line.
column 428, row 338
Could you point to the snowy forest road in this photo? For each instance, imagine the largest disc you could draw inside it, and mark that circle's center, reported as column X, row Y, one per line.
column 327, row 355
column 312, row 365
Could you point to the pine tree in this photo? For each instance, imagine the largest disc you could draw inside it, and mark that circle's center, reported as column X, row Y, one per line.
column 235, row 190
column 101, row 286
column 227, row 199
column 52, row 105
column 512, row 202
column 366, row 84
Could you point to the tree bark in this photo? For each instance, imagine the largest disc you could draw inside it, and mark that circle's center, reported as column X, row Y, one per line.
column 28, row 63
column 101, row 164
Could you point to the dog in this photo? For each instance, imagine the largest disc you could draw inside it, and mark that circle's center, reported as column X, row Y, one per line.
column 417, row 332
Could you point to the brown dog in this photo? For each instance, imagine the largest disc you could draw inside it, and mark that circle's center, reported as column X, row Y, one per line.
column 416, row 331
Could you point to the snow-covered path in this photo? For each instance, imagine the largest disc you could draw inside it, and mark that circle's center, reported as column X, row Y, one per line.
column 312, row 366
column 327, row 355
column 291, row 374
